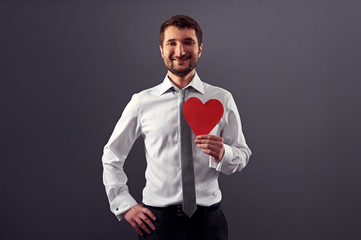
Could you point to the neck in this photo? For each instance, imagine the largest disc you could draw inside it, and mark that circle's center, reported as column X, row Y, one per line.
column 183, row 81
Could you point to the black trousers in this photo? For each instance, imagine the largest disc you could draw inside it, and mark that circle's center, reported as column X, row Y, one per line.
column 207, row 223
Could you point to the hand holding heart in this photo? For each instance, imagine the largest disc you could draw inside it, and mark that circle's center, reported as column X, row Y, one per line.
column 211, row 145
column 202, row 118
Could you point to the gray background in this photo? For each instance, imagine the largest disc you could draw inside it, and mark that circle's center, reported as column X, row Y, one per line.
column 68, row 68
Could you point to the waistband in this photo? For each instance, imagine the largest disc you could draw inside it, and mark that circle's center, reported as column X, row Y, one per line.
column 177, row 209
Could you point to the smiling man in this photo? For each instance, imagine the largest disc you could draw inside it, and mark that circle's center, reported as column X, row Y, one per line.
column 181, row 199
column 180, row 51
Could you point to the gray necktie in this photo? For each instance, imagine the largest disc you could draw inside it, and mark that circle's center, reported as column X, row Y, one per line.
column 189, row 193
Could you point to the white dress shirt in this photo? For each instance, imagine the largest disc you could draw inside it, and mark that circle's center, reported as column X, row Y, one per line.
column 153, row 114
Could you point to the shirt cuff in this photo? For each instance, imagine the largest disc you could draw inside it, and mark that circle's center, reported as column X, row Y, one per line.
column 121, row 204
column 227, row 157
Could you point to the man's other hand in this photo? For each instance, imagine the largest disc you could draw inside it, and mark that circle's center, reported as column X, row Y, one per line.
column 211, row 145
column 137, row 216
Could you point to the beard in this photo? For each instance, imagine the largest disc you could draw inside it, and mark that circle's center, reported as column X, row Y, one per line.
column 180, row 72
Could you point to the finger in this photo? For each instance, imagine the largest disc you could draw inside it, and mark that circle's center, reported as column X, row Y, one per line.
column 142, row 225
column 210, row 142
column 148, row 221
column 209, row 146
column 202, row 136
column 136, row 228
column 210, row 153
column 211, row 137
column 149, row 213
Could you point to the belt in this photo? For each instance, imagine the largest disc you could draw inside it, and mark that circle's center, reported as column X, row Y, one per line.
column 177, row 209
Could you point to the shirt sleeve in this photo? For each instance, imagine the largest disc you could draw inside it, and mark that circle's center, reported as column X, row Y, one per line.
column 237, row 153
column 125, row 133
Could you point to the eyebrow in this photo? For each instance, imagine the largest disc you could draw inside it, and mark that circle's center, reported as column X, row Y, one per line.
column 186, row 39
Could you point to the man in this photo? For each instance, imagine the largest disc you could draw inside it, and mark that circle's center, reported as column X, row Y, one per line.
column 173, row 208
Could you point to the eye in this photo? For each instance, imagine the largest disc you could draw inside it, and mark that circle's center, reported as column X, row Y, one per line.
column 172, row 43
column 190, row 43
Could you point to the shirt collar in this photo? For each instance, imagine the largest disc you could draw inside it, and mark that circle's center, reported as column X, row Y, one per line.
column 195, row 83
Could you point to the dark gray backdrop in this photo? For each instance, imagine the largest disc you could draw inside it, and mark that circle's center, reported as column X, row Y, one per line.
column 68, row 68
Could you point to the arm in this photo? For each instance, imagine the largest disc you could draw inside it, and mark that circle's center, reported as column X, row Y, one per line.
column 115, row 152
column 229, row 152
column 122, row 204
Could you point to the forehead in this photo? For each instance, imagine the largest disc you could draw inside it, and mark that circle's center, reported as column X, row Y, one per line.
column 172, row 32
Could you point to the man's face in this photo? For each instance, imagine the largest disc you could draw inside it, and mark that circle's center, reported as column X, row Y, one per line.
column 180, row 50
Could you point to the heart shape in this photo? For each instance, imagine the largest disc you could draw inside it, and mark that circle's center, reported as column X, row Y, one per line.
column 202, row 118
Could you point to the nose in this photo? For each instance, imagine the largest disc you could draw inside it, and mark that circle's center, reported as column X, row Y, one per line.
column 179, row 51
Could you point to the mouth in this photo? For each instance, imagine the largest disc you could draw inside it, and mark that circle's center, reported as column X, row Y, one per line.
column 181, row 60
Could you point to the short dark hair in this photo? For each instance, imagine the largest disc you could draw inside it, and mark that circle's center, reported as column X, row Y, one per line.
column 181, row 21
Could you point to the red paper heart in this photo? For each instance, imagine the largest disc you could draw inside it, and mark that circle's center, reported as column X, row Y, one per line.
column 202, row 118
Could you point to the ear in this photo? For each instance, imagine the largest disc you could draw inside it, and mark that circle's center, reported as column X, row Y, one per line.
column 161, row 51
column 200, row 50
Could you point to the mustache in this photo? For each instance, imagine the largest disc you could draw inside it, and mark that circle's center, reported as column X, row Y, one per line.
column 185, row 57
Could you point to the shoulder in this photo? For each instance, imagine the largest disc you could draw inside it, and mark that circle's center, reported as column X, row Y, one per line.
column 153, row 91
column 219, row 93
column 147, row 93
column 145, row 98
column 215, row 90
